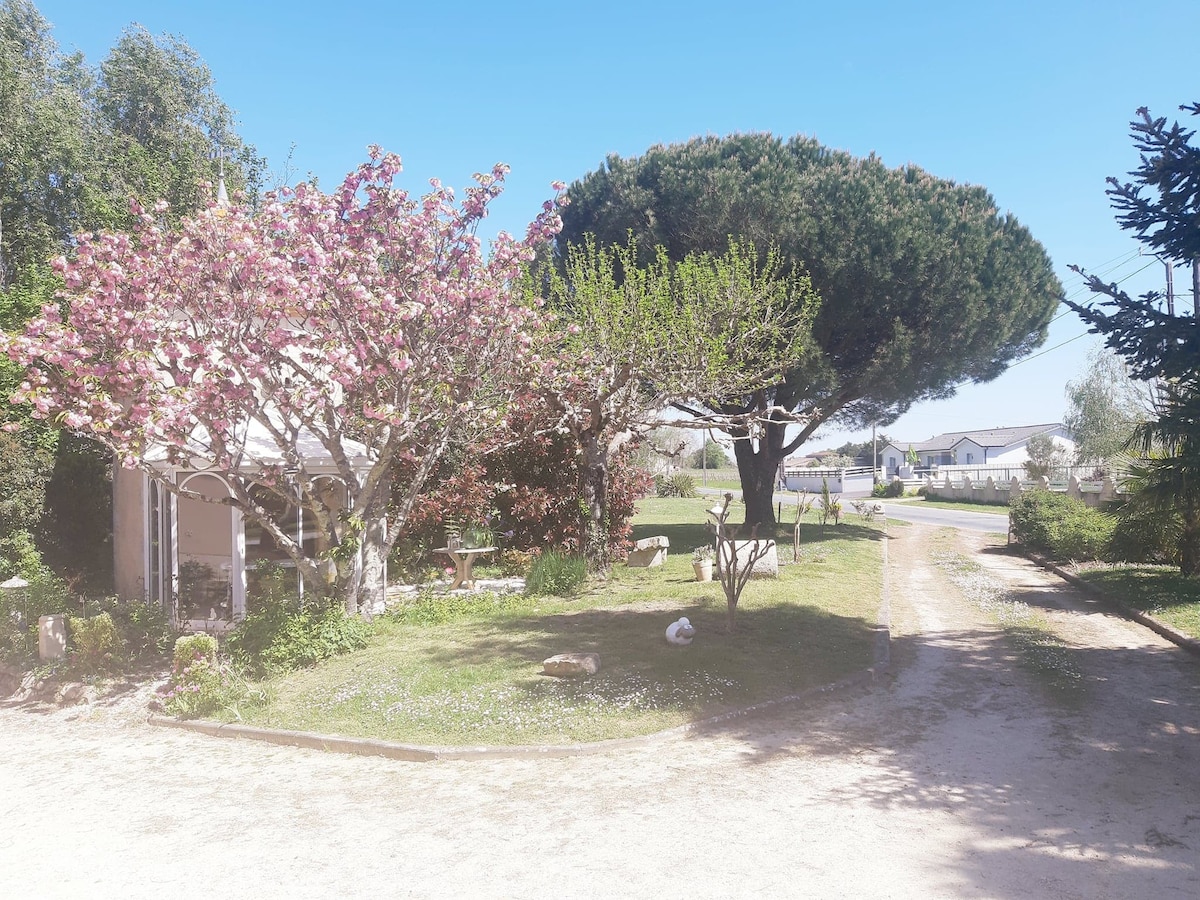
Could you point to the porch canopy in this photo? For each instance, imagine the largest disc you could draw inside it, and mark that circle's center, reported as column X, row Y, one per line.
column 178, row 542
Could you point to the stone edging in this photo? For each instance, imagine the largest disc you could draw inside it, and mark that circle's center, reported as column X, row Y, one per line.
column 416, row 753
column 1188, row 643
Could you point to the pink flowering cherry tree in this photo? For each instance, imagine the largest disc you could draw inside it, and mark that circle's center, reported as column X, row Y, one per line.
column 366, row 320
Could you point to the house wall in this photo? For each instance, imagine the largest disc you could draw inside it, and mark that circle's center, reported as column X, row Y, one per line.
column 969, row 453
column 1018, row 453
column 855, row 481
column 893, row 457
column 129, row 539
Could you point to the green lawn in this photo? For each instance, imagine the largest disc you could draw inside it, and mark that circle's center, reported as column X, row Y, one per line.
column 467, row 671
column 1158, row 590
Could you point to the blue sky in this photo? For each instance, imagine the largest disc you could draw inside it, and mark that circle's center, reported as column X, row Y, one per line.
column 1031, row 100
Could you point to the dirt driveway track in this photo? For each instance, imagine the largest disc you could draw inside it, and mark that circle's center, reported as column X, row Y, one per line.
column 959, row 775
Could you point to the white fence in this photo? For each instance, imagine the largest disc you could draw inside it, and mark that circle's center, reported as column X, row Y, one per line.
column 1007, row 473
column 1091, row 492
column 841, row 481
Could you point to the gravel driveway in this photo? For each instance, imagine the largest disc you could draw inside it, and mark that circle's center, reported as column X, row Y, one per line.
column 959, row 775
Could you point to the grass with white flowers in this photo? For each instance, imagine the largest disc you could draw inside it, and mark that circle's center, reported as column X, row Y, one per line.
column 467, row 671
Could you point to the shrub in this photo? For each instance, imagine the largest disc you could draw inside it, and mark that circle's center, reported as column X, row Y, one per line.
column 529, row 488
column 893, row 488
column 516, row 563
column 199, row 684
column 19, row 555
column 1151, row 537
column 96, row 644
column 143, row 631
column 145, row 628
column 556, row 574
column 1086, row 535
column 281, row 635
column 191, row 647
column 677, row 485
column 1061, row 526
column 196, row 689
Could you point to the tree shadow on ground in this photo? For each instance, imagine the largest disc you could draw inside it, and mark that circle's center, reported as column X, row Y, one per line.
column 685, row 537
column 1046, row 788
column 776, row 649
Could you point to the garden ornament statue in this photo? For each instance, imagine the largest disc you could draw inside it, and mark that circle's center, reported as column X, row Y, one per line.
column 680, row 633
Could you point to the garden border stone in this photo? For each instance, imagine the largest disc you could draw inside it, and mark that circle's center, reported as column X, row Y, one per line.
column 1187, row 642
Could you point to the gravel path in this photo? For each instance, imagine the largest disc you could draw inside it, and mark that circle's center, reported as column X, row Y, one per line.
column 958, row 776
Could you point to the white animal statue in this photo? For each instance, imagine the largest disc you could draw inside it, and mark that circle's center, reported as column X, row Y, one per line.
column 680, row 633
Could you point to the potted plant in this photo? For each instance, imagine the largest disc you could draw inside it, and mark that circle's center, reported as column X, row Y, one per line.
column 911, row 458
column 454, row 531
column 702, row 562
column 476, row 536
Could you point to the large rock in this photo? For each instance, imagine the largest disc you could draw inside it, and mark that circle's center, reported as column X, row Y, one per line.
column 766, row 567
column 75, row 692
column 10, row 680
column 571, row 665
column 651, row 551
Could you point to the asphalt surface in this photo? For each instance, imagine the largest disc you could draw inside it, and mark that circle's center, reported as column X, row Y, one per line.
column 921, row 514
column 915, row 512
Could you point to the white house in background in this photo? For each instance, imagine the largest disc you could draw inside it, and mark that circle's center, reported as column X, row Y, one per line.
column 987, row 447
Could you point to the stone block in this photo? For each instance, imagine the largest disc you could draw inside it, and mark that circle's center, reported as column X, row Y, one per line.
column 647, row 552
column 571, row 665
column 52, row 637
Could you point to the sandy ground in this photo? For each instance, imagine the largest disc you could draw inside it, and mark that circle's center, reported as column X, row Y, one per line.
column 958, row 775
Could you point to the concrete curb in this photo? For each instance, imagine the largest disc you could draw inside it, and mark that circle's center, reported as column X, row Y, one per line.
column 1188, row 643
column 415, row 753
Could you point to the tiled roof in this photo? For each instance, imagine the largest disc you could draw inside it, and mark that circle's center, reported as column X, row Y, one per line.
column 988, row 437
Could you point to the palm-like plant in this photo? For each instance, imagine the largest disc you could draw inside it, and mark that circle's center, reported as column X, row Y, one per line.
column 1163, row 480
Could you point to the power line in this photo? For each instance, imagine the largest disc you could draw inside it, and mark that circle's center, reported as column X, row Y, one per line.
column 1067, row 312
column 1050, row 349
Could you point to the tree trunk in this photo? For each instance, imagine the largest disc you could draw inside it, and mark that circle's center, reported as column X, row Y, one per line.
column 594, row 485
column 1189, row 543
column 757, row 470
column 372, row 590
column 346, row 583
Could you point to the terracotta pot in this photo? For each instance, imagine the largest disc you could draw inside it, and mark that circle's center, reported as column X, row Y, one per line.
column 703, row 570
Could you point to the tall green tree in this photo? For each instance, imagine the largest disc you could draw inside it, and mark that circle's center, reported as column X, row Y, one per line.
column 164, row 122
column 43, row 145
column 1104, row 408
column 77, row 143
column 632, row 338
column 924, row 283
column 1161, row 206
column 709, row 456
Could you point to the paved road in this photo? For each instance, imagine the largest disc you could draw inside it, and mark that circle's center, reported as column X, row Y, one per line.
column 959, row 775
column 947, row 518
column 914, row 511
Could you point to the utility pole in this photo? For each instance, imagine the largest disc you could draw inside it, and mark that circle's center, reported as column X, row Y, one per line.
column 874, row 457
column 1196, row 288
column 1170, row 287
